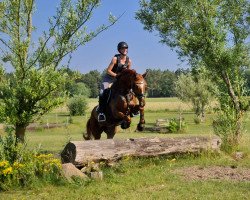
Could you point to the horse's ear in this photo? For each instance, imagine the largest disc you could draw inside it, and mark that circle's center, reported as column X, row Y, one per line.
column 145, row 74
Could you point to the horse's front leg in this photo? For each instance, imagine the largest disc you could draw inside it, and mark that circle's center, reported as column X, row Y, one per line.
column 126, row 120
column 141, row 125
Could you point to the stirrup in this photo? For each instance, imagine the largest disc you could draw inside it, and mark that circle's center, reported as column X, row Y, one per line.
column 135, row 114
column 101, row 117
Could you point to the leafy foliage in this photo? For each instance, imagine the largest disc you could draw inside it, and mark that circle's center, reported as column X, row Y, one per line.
column 247, row 76
column 92, row 80
column 20, row 167
column 197, row 89
column 73, row 86
column 77, row 105
column 161, row 83
column 211, row 33
column 37, row 85
column 225, row 126
column 175, row 125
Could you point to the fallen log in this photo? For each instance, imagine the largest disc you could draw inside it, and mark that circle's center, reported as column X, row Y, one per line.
column 80, row 153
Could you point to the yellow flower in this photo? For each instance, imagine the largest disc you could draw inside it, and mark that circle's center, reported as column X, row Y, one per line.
column 17, row 165
column 42, row 156
column 7, row 171
column 4, row 163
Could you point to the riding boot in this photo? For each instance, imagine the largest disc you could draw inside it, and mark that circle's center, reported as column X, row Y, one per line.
column 101, row 115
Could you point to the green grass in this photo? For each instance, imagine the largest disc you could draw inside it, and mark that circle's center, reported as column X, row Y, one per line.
column 151, row 178
column 134, row 178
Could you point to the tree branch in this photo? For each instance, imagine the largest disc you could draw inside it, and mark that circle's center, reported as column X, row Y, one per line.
column 47, row 40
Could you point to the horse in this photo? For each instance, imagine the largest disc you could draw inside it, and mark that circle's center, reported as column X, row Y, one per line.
column 122, row 105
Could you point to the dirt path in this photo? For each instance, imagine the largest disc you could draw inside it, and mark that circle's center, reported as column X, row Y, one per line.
column 215, row 173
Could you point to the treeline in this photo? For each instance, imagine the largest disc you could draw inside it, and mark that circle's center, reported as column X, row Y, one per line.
column 160, row 82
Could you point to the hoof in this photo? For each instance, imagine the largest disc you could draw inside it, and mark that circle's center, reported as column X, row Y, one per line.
column 140, row 127
column 125, row 125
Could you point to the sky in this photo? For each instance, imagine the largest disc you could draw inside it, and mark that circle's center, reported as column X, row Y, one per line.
column 145, row 51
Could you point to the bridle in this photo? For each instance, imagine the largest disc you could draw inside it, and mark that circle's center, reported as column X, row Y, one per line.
column 141, row 95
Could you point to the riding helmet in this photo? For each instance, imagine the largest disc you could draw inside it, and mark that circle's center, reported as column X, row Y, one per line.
column 122, row 45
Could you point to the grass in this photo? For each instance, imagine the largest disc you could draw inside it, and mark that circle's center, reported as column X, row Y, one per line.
column 151, row 178
column 134, row 178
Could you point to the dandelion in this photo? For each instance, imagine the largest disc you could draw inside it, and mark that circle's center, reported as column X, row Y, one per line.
column 4, row 163
column 56, row 162
column 7, row 171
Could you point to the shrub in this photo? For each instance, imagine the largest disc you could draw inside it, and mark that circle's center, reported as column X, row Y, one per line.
column 175, row 125
column 77, row 105
column 21, row 167
column 225, row 127
column 197, row 120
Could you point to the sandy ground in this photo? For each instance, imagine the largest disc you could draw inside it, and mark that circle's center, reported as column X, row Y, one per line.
column 215, row 173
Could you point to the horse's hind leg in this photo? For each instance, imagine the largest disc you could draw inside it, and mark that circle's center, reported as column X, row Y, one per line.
column 111, row 131
column 94, row 131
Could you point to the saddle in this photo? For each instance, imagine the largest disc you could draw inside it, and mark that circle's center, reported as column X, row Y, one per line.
column 107, row 95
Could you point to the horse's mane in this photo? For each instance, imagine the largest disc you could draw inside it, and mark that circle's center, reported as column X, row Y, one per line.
column 125, row 78
column 127, row 74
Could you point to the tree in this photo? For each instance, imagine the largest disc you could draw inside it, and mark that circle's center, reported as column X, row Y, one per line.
column 37, row 85
column 73, row 86
column 161, row 83
column 167, row 81
column 247, row 76
column 213, row 33
column 197, row 89
column 92, row 80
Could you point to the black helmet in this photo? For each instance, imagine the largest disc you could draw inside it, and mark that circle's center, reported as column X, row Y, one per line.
column 122, row 45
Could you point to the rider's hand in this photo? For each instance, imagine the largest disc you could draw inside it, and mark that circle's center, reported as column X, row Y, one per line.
column 117, row 75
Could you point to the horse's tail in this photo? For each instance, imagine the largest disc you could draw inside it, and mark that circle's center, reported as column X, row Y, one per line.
column 88, row 135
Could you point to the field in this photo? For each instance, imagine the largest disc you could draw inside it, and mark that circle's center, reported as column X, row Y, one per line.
column 147, row 178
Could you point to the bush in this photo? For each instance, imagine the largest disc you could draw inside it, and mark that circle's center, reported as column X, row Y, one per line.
column 225, row 126
column 197, row 120
column 21, row 167
column 175, row 125
column 77, row 105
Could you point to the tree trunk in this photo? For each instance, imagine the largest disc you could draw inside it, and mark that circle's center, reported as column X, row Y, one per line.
column 231, row 92
column 236, row 103
column 80, row 153
column 20, row 133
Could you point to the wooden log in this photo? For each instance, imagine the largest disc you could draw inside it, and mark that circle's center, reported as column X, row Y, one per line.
column 80, row 153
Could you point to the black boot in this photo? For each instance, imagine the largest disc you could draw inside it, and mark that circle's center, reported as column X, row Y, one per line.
column 101, row 115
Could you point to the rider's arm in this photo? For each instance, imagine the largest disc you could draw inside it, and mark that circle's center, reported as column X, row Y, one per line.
column 110, row 67
column 129, row 64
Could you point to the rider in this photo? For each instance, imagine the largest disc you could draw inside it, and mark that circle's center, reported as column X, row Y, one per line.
column 118, row 63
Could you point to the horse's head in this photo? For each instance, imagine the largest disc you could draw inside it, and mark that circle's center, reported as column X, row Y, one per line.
column 140, row 85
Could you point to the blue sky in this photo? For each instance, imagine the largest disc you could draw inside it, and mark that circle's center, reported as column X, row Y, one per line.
column 145, row 50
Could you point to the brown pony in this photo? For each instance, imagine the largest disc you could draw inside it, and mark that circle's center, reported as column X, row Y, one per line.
column 121, row 106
